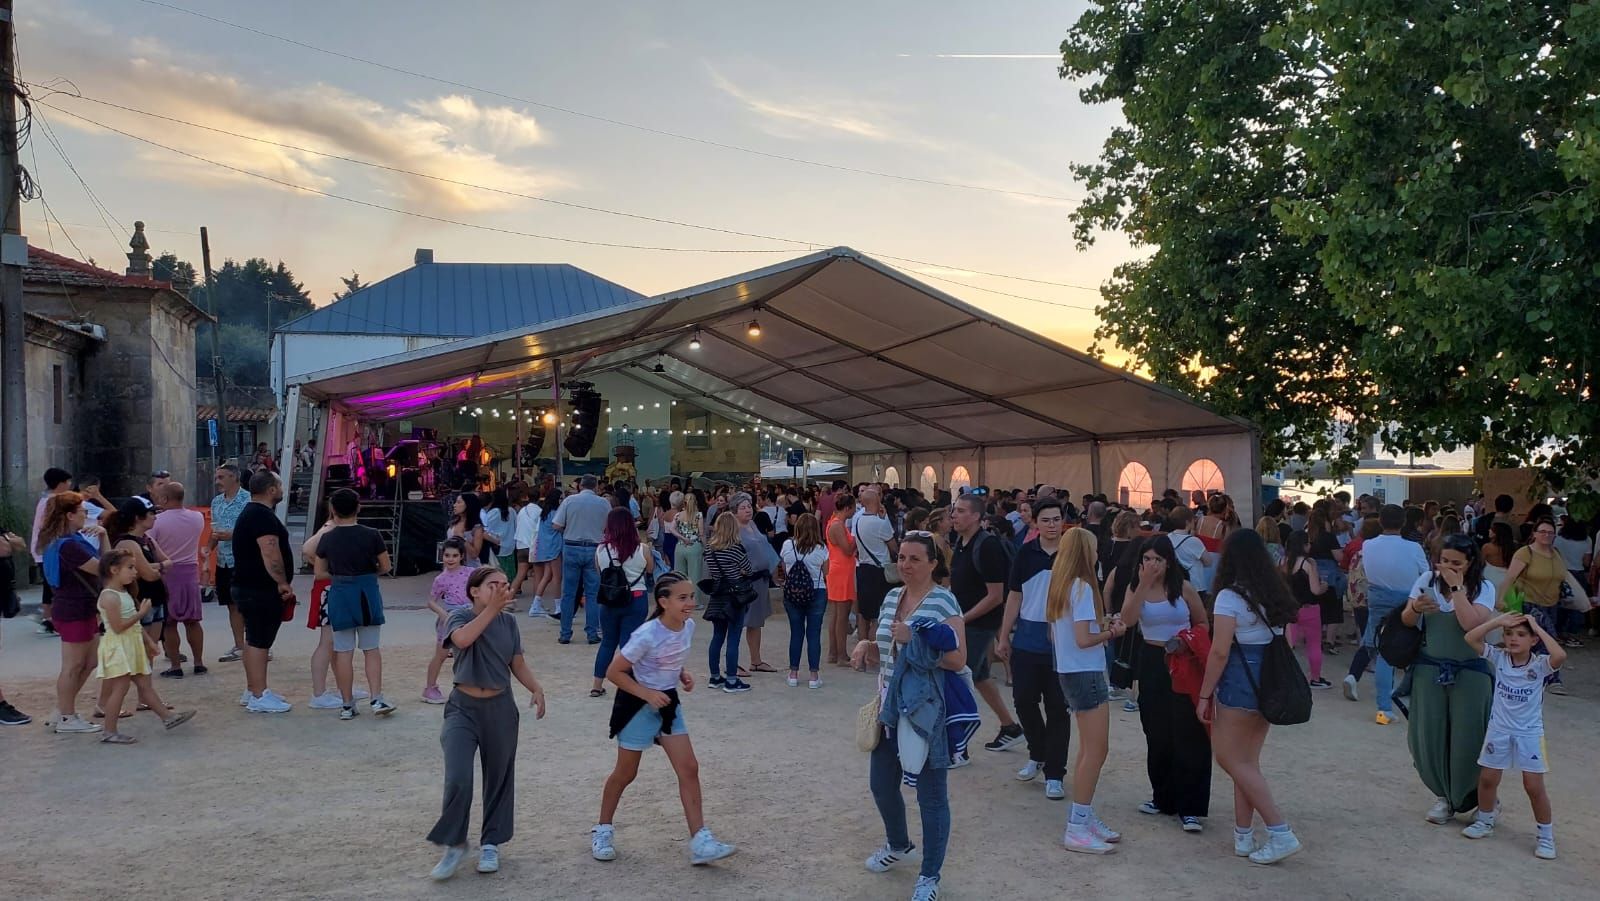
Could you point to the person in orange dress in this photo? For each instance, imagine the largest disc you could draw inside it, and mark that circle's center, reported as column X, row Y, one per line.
column 841, row 578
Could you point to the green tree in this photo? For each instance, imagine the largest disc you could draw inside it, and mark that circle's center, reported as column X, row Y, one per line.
column 1379, row 213
column 351, row 285
column 168, row 268
column 245, row 357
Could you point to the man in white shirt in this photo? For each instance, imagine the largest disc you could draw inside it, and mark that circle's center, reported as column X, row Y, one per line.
column 1191, row 553
column 876, row 548
column 1392, row 564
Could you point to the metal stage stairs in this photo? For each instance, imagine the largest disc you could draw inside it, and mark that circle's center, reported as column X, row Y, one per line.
column 385, row 517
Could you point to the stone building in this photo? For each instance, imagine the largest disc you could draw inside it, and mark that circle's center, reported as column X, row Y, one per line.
column 111, row 375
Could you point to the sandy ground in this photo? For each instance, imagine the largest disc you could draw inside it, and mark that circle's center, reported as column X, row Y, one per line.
column 306, row 806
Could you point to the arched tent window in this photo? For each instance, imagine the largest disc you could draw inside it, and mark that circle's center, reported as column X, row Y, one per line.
column 1204, row 476
column 930, row 482
column 1133, row 486
column 960, row 480
column 892, row 477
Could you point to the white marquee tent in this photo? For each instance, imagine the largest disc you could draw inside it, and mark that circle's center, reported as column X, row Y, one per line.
column 914, row 386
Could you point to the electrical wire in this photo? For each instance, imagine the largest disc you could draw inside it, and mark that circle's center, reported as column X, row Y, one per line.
column 607, row 119
column 588, row 208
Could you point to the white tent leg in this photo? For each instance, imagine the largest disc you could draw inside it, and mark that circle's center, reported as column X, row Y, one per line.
column 291, row 423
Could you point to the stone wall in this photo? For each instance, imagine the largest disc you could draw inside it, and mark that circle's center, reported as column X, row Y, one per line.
column 53, row 443
column 173, row 396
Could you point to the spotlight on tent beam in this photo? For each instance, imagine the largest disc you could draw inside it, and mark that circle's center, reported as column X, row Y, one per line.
column 694, row 340
column 754, row 328
column 658, row 368
column 549, row 418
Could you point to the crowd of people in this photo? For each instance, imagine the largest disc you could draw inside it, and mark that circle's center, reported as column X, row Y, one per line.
column 1179, row 610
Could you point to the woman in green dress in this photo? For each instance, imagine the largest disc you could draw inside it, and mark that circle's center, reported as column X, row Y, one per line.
column 1451, row 687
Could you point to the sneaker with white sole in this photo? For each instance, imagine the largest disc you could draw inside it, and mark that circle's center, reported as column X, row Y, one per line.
column 328, row 700
column 1192, row 824
column 269, row 693
column 1478, row 829
column 348, row 713
column 449, row 863
column 793, row 681
column 488, row 859
column 1030, row 771
column 886, row 858
column 815, row 684
column 704, row 848
column 602, row 843
column 1082, row 839
column 1350, row 693
column 1545, row 849
column 245, row 697
column 1439, row 813
column 1278, row 846
column 432, row 695
column 1054, row 790
column 927, row 889
column 960, row 760
column 1150, row 807
column 231, row 656
column 1009, row 737
column 380, row 707
column 74, row 724
column 537, row 609
column 266, row 703
column 1102, row 831
column 1245, row 844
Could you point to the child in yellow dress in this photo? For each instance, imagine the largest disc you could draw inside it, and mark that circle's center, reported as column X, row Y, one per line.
column 123, row 657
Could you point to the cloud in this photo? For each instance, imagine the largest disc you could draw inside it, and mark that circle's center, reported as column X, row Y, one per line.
column 451, row 136
column 802, row 117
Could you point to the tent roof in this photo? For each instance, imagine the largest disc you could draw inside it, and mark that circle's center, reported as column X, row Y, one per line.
column 853, row 354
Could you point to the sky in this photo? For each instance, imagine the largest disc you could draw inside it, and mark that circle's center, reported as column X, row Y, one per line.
column 934, row 91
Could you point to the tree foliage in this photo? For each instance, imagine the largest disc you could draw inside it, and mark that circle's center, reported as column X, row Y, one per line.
column 241, row 299
column 351, row 285
column 1375, row 212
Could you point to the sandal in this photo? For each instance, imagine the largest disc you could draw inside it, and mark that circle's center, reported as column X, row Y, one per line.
column 117, row 738
column 744, row 673
column 101, row 714
column 763, row 667
column 176, row 720
column 143, row 707
column 597, row 692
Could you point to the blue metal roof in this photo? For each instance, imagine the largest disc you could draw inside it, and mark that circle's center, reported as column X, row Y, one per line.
column 465, row 300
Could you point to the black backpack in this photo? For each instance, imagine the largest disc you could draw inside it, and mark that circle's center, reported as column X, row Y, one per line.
column 615, row 589
column 1009, row 547
column 1283, row 695
column 799, row 589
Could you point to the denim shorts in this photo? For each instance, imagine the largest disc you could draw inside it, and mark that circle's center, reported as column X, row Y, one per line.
column 1084, row 691
column 1233, row 689
column 979, row 643
column 641, row 731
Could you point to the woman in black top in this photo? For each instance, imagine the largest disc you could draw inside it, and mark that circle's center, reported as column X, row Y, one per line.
column 1305, row 582
column 127, row 527
column 1323, row 548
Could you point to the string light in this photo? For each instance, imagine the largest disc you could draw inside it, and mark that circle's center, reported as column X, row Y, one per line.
column 754, row 328
column 694, row 340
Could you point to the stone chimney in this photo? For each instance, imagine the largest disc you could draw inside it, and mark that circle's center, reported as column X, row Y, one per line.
column 139, row 257
column 423, row 255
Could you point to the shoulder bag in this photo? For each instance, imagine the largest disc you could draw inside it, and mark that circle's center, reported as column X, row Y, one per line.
column 1399, row 644
column 1283, row 695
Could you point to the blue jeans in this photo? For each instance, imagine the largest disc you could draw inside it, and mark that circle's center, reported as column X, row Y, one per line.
column 806, row 626
column 578, row 571
column 730, row 631
column 616, row 627
column 1383, row 673
column 933, row 796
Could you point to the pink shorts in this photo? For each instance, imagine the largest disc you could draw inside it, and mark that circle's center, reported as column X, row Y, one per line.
column 80, row 631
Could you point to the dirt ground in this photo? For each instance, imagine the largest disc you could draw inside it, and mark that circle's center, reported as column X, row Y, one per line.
column 305, row 806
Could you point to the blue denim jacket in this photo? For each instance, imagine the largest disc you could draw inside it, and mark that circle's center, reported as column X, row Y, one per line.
column 916, row 692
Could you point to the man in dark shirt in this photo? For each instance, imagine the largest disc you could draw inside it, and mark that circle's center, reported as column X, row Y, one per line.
column 262, row 565
column 354, row 554
column 978, row 570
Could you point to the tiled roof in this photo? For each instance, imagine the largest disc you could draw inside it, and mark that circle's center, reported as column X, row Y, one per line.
column 467, row 299
column 236, row 414
column 53, row 268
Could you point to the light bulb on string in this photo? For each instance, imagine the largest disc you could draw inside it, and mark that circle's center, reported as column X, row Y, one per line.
column 694, row 340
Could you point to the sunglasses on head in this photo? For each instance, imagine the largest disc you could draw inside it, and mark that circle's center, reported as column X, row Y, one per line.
column 980, row 492
column 918, row 533
column 161, row 474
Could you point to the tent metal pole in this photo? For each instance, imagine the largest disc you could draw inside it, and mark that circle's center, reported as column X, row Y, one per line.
column 555, row 389
column 1094, row 467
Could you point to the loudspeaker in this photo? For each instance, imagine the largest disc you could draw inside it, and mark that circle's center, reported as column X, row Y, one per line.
column 532, row 444
column 585, row 422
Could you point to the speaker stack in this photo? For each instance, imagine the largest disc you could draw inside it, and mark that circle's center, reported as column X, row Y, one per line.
column 585, row 422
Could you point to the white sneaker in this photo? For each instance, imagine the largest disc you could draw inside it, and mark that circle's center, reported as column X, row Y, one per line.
column 328, row 700
column 1030, row 771
column 488, row 859
column 269, row 693
column 601, row 844
column 886, row 858
column 704, row 848
column 1102, row 831
column 927, row 889
column 1350, row 693
column 1245, row 845
column 1478, row 829
column 359, row 694
column 75, row 724
column 1545, row 849
column 537, row 609
column 1278, row 846
column 1439, row 813
column 793, row 681
column 446, row 867
column 1054, row 790
column 268, row 704
column 1082, row 839
column 960, row 760
column 380, row 707
column 815, row 684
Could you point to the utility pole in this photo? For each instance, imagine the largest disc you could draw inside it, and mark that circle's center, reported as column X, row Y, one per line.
column 216, row 340
column 13, row 256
